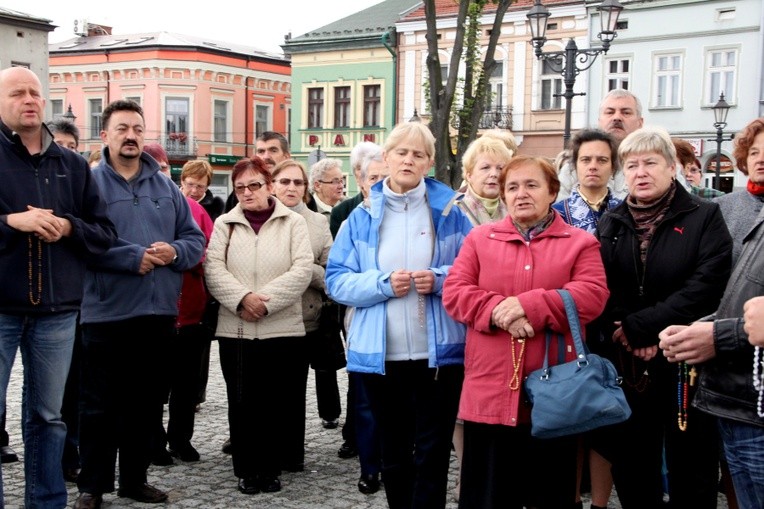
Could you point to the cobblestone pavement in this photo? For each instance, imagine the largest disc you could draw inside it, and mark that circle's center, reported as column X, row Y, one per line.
column 328, row 482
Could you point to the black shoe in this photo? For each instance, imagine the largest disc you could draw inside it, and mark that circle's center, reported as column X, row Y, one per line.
column 88, row 501
column 248, row 486
column 332, row 424
column 269, row 484
column 8, row 455
column 186, row 453
column 227, row 449
column 347, row 451
column 71, row 474
column 162, row 458
column 368, row 484
column 143, row 493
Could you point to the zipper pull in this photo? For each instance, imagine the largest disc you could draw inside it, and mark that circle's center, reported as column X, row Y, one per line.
column 437, row 369
column 406, row 204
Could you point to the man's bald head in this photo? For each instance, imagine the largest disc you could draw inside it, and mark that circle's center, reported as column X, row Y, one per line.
column 21, row 102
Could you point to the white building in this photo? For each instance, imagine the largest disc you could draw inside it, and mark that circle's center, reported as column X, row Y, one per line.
column 677, row 56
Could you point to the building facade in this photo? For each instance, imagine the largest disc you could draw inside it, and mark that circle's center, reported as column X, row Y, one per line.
column 201, row 98
column 677, row 56
column 344, row 82
column 24, row 42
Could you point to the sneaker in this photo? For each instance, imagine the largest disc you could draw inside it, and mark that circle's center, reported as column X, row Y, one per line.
column 143, row 493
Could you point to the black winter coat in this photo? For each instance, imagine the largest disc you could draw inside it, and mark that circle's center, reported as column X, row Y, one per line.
column 685, row 273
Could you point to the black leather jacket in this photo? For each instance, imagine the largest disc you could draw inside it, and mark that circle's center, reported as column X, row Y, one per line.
column 726, row 382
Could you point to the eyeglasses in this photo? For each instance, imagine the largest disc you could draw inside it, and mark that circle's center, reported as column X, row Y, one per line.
column 253, row 187
column 200, row 187
column 334, row 182
column 296, row 182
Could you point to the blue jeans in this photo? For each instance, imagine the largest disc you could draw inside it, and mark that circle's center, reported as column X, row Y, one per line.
column 744, row 450
column 46, row 349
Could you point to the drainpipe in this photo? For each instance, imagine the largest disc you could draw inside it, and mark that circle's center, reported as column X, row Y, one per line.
column 385, row 38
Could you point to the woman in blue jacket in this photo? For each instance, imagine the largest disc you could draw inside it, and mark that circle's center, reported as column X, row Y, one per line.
column 389, row 262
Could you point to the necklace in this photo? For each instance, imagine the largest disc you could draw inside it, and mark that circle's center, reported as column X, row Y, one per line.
column 638, row 385
column 30, row 271
column 682, row 390
column 758, row 378
column 514, row 382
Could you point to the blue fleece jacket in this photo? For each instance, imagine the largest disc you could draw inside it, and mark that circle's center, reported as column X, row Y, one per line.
column 353, row 278
column 60, row 180
column 151, row 209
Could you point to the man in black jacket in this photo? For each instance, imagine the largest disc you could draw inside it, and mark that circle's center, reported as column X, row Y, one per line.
column 51, row 219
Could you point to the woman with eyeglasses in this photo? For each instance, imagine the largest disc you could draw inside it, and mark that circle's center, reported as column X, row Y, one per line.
column 290, row 185
column 259, row 263
column 195, row 181
column 327, row 184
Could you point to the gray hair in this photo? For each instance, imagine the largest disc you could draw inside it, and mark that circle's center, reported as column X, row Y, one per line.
column 620, row 92
column 64, row 126
column 375, row 155
column 319, row 169
column 359, row 153
column 648, row 139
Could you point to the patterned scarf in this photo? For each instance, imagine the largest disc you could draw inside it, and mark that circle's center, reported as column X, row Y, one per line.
column 535, row 230
column 648, row 217
column 482, row 210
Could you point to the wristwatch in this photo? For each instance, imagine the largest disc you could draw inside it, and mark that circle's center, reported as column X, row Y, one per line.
column 174, row 258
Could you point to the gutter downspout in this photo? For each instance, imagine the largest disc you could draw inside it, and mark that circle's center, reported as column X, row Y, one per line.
column 385, row 38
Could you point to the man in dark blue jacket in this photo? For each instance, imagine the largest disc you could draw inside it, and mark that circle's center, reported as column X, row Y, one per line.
column 51, row 219
column 128, row 311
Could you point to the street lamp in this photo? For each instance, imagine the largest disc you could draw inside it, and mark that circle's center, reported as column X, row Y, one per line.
column 69, row 115
column 721, row 108
column 416, row 117
column 567, row 62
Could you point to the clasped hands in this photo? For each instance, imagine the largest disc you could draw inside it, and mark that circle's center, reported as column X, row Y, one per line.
column 252, row 307
column 645, row 353
column 157, row 254
column 401, row 281
column 43, row 223
column 509, row 315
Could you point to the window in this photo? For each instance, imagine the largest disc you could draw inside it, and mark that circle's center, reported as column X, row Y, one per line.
column 96, row 108
column 551, row 86
column 136, row 99
column 342, row 107
column 262, row 114
column 617, row 73
column 667, row 81
column 721, row 70
column 315, row 107
column 220, row 121
column 371, row 99
column 56, row 107
column 495, row 99
column 176, row 115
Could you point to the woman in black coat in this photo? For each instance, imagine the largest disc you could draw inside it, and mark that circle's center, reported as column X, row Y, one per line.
column 667, row 256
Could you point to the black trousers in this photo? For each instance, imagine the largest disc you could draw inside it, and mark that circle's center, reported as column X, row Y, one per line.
column 266, row 382
column 635, row 448
column 70, row 413
column 122, row 380
column 504, row 467
column 186, row 359
column 415, row 408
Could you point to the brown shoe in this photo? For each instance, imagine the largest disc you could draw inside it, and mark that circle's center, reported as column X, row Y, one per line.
column 88, row 501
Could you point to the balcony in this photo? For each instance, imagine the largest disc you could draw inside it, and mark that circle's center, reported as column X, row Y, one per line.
column 179, row 145
column 492, row 118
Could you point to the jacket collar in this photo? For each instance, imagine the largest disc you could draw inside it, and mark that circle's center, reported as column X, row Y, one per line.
column 682, row 203
column 505, row 230
column 236, row 215
column 149, row 166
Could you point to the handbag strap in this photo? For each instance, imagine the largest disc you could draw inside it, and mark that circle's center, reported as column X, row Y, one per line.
column 575, row 329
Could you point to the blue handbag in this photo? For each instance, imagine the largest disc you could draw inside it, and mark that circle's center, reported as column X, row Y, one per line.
column 576, row 396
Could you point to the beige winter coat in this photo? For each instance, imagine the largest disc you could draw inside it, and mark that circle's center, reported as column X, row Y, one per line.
column 277, row 262
column 320, row 243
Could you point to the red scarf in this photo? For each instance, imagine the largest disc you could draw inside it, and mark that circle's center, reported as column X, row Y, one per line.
column 755, row 189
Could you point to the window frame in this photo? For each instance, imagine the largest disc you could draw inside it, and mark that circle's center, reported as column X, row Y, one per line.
column 342, row 106
column 710, row 97
column 315, row 111
column 662, row 80
column 372, row 106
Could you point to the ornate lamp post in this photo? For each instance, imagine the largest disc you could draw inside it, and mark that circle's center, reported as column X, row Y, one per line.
column 721, row 108
column 69, row 115
column 567, row 62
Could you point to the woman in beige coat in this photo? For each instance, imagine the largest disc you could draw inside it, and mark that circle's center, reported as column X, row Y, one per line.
column 259, row 263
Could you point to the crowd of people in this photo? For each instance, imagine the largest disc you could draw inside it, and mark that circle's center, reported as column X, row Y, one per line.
column 433, row 299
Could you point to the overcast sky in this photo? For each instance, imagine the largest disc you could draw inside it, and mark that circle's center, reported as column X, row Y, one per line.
column 259, row 23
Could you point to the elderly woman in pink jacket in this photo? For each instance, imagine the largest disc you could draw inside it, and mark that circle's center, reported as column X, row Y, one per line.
column 503, row 287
